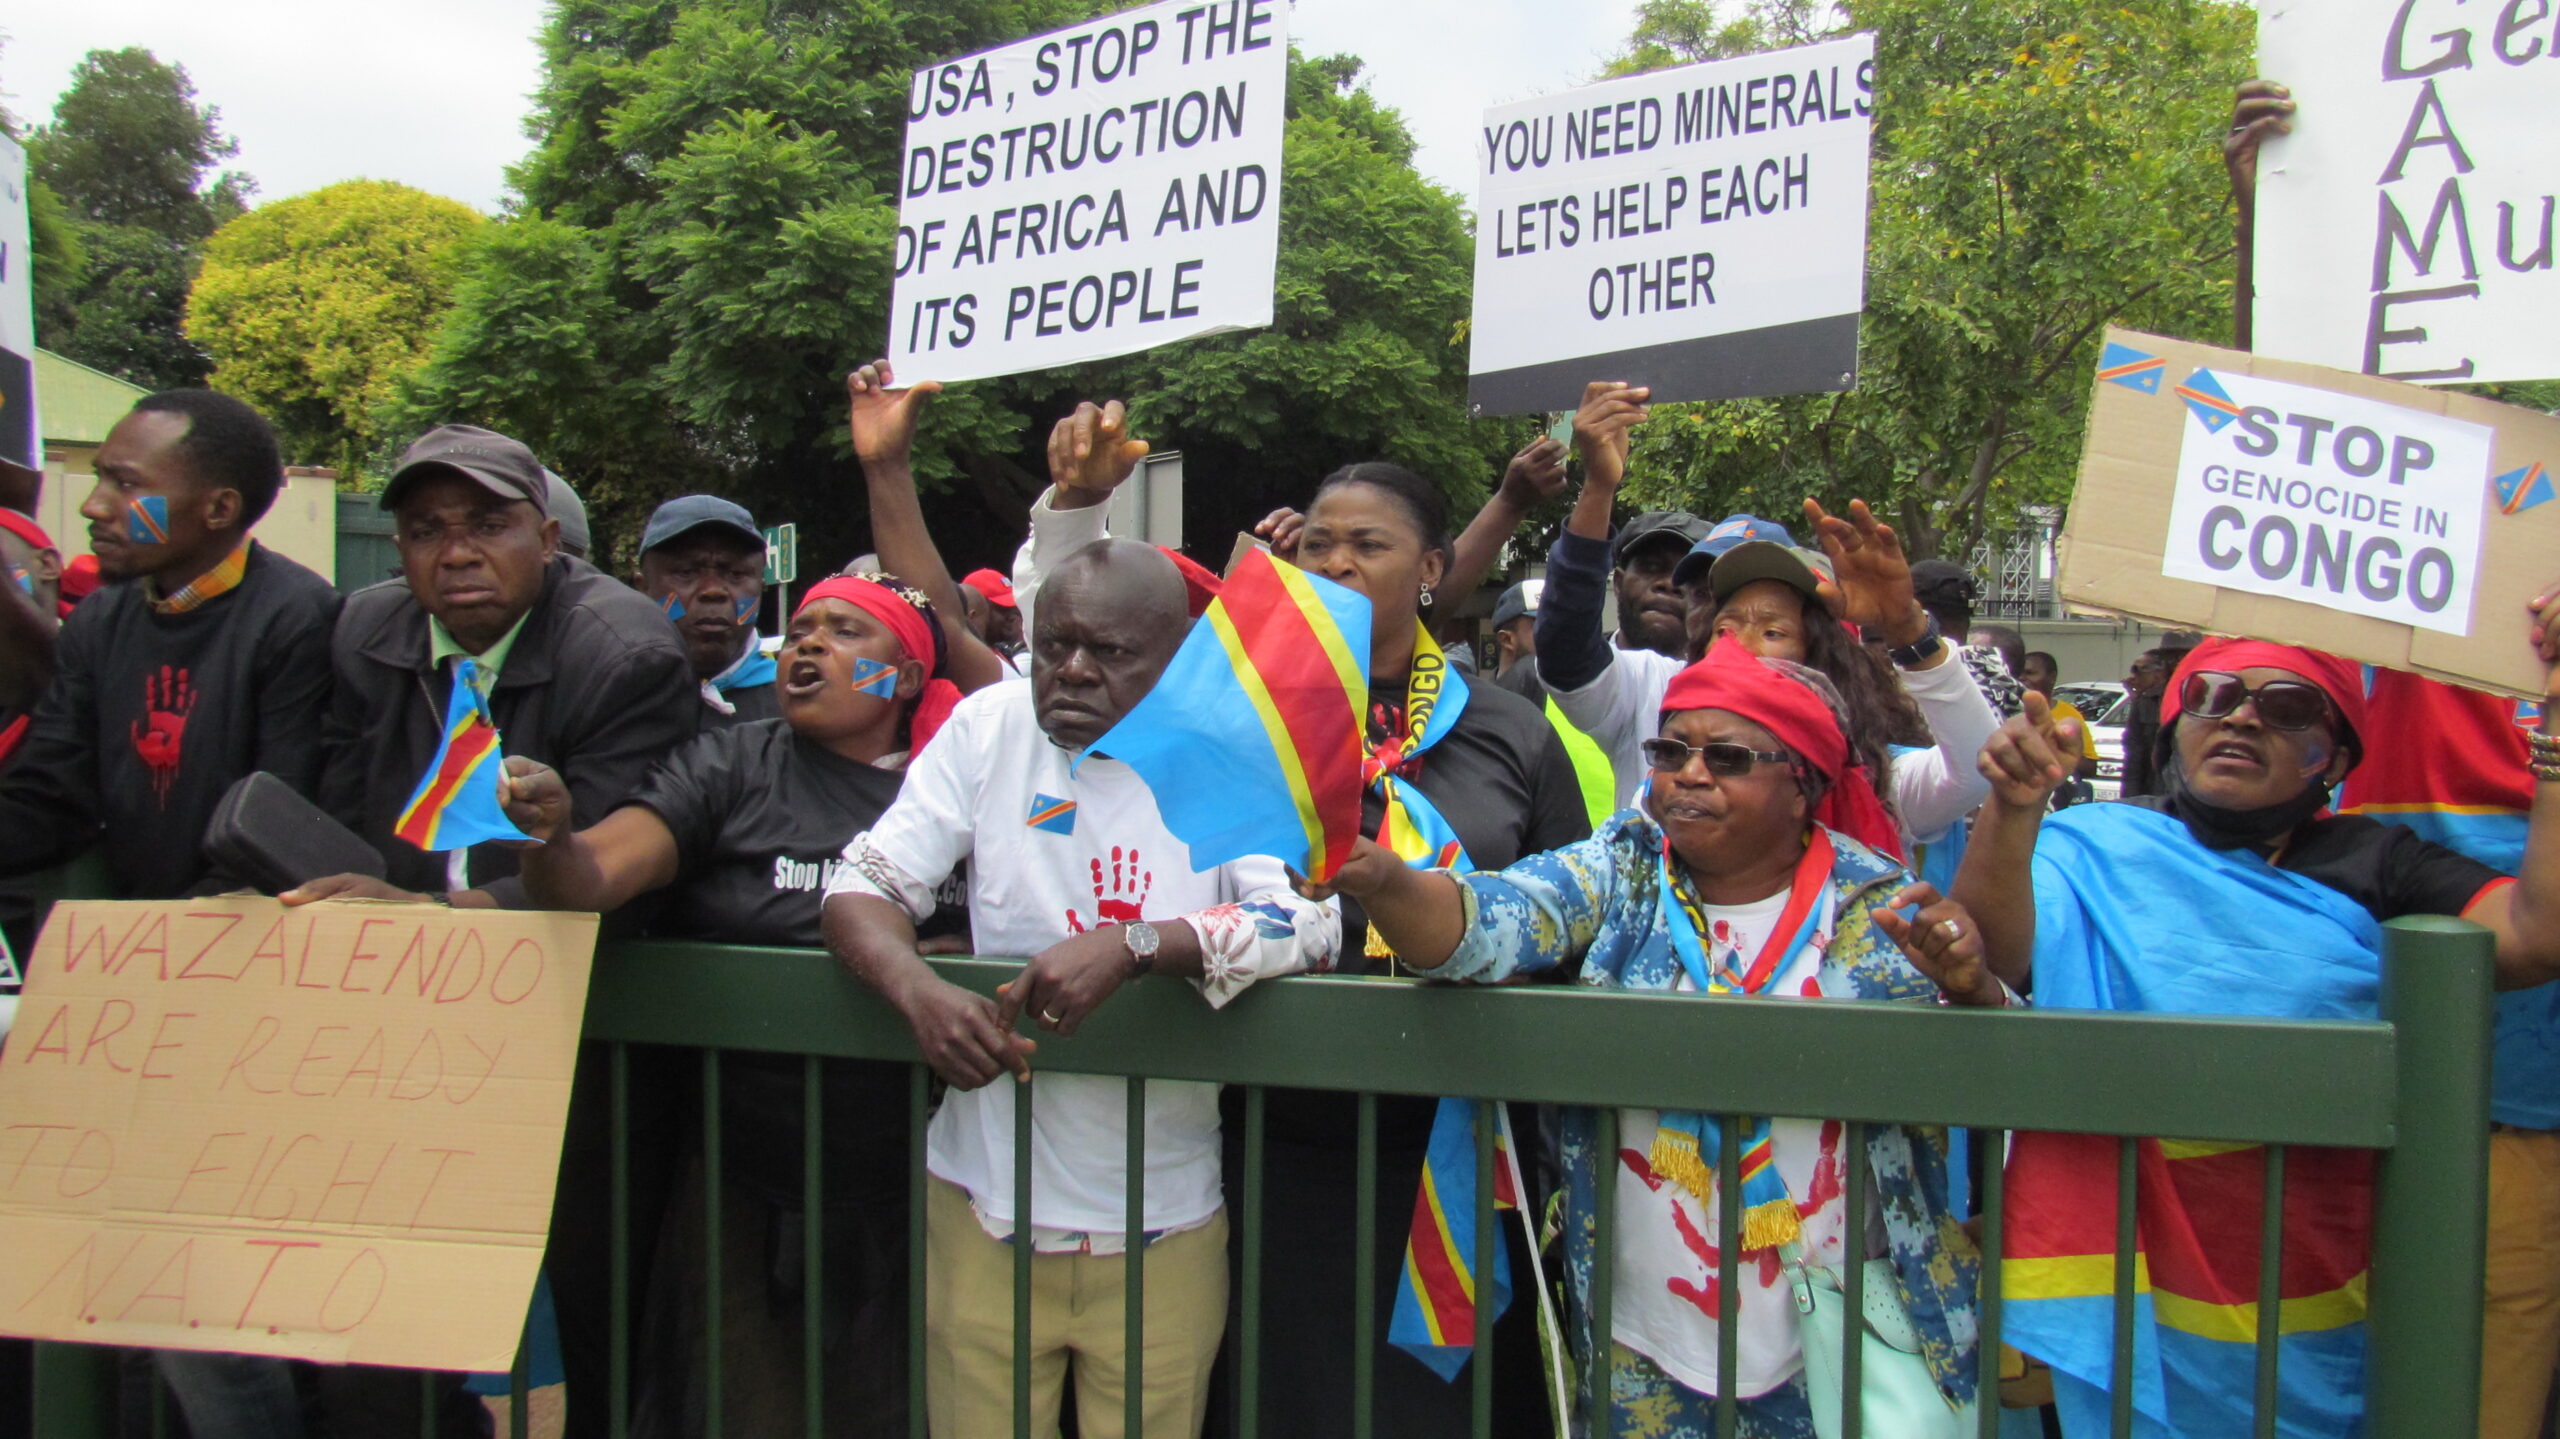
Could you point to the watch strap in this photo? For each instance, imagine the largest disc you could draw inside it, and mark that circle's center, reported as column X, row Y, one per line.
column 1920, row 651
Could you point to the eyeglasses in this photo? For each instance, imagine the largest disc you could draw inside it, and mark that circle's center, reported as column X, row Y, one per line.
column 2281, row 704
column 1725, row 760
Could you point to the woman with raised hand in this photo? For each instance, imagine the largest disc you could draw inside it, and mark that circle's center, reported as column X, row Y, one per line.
column 1752, row 867
column 1460, row 775
column 2230, row 893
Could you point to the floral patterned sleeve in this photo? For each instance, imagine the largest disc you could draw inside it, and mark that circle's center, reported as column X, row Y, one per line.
column 1544, row 911
column 1266, row 932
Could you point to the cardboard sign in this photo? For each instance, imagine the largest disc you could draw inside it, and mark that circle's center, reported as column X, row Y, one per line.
column 329, row 1132
column 21, row 437
column 2387, row 523
column 1095, row 191
column 1700, row 230
column 2405, row 227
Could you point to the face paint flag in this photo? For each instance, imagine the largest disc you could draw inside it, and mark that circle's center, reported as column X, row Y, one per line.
column 747, row 607
column 456, row 804
column 1251, row 740
column 674, row 608
column 872, row 677
column 150, row 519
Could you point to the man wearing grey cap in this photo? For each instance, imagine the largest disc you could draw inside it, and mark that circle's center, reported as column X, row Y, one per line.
column 580, row 672
column 702, row 563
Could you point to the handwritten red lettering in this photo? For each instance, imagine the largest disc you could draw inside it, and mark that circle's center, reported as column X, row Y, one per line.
column 429, row 1084
column 381, row 1281
column 96, row 944
column 261, row 1035
column 449, row 1155
column 478, row 953
column 104, row 1167
column 278, row 1247
column 519, row 947
column 490, row 1055
column 311, row 1055
column 270, row 946
column 159, row 1041
column 35, row 1140
column 198, row 1166
column 183, row 1258
column 357, row 954
column 254, row 1165
column 428, row 969
column 55, row 1023
column 92, row 1284
column 368, row 1062
column 149, row 937
column 257, row 1201
column 99, row 1034
column 303, row 966
column 363, row 1187
column 229, row 923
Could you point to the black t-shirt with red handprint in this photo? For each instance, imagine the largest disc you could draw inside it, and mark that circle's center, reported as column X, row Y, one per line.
column 151, row 717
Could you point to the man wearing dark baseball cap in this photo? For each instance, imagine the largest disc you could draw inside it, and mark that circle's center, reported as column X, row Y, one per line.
column 702, row 564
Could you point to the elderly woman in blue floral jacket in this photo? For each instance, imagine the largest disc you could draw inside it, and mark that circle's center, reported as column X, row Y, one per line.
column 1753, row 866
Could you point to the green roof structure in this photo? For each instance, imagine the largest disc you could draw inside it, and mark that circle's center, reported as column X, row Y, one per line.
column 78, row 405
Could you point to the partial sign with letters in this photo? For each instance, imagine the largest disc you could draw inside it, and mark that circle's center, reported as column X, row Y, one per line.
column 1091, row 192
column 21, row 437
column 2405, row 227
column 328, row 1133
column 1700, row 230
column 2386, row 522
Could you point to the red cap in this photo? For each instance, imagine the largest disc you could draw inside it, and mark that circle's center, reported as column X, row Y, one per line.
column 25, row 529
column 997, row 589
column 2341, row 680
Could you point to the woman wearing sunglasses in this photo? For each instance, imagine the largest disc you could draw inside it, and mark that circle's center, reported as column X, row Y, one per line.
column 2230, row 892
column 1752, row 867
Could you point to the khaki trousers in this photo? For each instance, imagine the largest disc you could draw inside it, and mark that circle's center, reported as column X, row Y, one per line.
column 1078, row 1312
column 2520, row 1332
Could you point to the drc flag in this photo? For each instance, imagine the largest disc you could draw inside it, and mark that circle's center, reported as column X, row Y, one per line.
column 456, row 803
column 1251, row 740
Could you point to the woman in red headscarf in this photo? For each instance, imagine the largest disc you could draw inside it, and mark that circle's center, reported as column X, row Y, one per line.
column 1753, row 867
column 2231, row 892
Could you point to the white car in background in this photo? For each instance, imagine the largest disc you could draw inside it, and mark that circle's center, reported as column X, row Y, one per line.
column 2106, row 706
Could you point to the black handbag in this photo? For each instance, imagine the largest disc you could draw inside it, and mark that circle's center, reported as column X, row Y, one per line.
column 266, row 835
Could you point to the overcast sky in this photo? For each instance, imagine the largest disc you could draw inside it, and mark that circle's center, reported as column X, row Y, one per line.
column 433, row 95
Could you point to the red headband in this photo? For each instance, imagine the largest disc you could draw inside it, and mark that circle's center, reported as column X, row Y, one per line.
column 1733, row 679
column 914, row 634
column 2341, row 680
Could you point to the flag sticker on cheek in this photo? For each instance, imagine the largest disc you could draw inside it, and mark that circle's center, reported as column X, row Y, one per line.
column 747, row 607
column 872, row 677
column 150, row 516
column 674, row 608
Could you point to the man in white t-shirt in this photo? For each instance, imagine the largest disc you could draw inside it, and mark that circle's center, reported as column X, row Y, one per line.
column 1070, row 863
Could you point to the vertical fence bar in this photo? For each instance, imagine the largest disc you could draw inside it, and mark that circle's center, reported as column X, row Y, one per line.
column 1023, row 1248
column 519, row 1384
column 1994, row 1208
column 813, row 1242
column 1601, row 1366
column 2270, row 1291
column 1488, row 1244
column 2120, row 1368
column 618, row 1265
column 1853, row 1276
column 1728, row 1274
column 2430, row 1231
column 712, row 1405
column 75, row 1390
column 919, row 1099
column 1249, row 1322
column 426, row 1404
column 159, row 1405
column 1135, row 1303
column 1364, row 1264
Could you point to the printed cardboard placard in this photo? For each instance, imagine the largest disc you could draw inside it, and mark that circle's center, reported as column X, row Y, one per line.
column 2405, row 227
column 328, row 1133
column 1701, row 230
column 1095, row 191
column 2382, row 521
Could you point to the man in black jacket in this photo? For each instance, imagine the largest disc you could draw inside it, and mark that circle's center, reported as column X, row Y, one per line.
column 582, row 673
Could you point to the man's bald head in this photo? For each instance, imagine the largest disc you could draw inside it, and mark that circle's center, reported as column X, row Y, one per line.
column 1109, row 619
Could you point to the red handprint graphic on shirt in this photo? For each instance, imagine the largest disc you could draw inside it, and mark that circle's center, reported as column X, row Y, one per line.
column 161, row 734
column 1124, row 898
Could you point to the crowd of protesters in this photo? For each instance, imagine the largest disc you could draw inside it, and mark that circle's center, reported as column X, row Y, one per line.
column 1796, row 767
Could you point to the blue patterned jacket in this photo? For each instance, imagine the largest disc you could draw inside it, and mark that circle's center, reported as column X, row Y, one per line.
column 1597, row 901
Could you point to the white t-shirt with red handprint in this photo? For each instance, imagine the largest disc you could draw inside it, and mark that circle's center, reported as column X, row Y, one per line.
column 1051, row 854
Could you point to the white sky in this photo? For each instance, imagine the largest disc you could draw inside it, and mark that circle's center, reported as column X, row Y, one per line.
column 433, row 95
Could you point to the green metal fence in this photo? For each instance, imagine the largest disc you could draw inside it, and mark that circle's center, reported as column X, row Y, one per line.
column 2414, row 1086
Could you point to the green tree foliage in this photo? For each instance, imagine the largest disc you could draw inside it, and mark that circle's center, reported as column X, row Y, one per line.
column 130, row 155
column 2042, row 168
column 703, row 249
column 57, row 261
column 314, row 308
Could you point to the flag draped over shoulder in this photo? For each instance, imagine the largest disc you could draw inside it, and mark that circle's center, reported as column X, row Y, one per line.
column 2133, row 914
column 1251, row 739
column 456, row 803
column 1435, row 1310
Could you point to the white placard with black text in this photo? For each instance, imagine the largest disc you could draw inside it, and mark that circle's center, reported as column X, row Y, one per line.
column 21, row 438
column 1700, row 230
column 1091, row 192
column 2406, row 226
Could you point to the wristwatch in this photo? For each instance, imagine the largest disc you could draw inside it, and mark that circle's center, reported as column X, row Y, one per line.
column 1143, row 942
column 1922, row 650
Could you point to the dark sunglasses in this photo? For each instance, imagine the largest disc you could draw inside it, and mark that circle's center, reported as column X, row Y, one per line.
column 1725, row 759
column 2281, row 704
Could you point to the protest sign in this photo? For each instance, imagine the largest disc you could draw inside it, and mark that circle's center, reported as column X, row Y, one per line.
column 2388, row 523
column 329, row 1132
column 1094, row 191
column 2405, row 227
column 21, row 439
column 1700, row 230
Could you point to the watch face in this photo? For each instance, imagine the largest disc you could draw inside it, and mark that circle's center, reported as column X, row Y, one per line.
column 1140, row 937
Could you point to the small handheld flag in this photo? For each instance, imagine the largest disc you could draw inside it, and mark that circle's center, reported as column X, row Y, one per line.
column 1251, row 740
column 456, row 804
